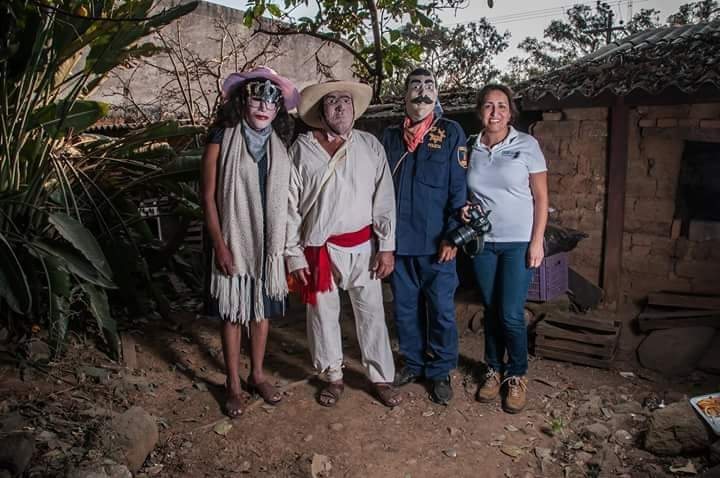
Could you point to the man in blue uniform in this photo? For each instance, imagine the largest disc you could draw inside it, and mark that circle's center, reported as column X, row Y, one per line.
column 428, row 158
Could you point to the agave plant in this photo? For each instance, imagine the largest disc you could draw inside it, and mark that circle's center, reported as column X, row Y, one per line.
column 62, row 192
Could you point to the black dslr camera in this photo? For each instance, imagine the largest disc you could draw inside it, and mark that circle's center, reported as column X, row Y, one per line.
column 471, row 236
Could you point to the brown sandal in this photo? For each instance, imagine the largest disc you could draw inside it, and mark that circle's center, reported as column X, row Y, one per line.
column 267, row 392
column 387, row 395
column 330, row 395
column 233, row 403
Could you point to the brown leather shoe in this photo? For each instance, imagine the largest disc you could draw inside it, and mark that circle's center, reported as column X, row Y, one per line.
column 516, row 397
column 490, row 389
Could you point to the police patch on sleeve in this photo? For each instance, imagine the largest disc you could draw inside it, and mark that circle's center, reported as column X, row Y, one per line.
column 462, row 157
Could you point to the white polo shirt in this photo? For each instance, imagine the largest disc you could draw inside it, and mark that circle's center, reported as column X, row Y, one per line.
column 499, row 179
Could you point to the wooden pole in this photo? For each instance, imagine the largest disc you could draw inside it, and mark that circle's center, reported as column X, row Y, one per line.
column 615, row 207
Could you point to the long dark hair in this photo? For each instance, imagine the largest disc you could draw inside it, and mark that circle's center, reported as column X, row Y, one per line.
column 514, row 113
column 231, row 112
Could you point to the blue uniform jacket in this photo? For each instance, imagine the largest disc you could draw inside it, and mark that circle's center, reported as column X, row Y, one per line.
column 430, row 185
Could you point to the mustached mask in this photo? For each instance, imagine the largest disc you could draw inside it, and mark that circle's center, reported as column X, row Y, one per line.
column 420, row 94
column 263, row 91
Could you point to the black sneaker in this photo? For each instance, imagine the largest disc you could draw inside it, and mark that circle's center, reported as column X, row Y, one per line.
column 441, row 391
column 405, row 376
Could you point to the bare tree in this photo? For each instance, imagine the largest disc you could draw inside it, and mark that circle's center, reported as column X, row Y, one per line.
column 187, row 82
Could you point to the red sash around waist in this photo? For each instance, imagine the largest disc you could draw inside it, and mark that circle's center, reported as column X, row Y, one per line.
column 318, row 260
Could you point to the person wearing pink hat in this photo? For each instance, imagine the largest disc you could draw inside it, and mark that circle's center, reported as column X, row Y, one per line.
column 245, row 179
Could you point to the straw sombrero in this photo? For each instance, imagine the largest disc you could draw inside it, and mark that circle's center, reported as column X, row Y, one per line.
column 289, row 92
column 311, row 97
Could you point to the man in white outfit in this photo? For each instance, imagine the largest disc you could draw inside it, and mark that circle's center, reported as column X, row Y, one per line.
column 341, row 233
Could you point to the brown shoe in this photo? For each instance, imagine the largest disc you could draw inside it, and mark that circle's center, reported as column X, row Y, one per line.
column 516, row 397
column 490, row 389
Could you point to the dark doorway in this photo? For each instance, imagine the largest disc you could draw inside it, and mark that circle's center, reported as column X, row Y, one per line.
column 699, row 183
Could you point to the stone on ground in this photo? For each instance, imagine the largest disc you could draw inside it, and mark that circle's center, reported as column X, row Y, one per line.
column 107, row 470
column 710, row 361
column 676, row 430
column 131, row 437
column 714, row 456
column 596, row 431
column 16, row 449
column 713, row 472
column 675, row 351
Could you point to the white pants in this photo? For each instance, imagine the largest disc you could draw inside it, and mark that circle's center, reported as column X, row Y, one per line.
column 351, row 272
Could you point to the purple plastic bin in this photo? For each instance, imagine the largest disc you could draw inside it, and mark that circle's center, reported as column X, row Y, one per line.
column 550, row 279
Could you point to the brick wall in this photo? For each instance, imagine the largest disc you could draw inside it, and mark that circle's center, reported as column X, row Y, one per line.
column 575, row 146
column 655, row 255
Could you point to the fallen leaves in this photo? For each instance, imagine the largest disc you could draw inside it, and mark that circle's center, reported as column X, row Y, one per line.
column 223, row 428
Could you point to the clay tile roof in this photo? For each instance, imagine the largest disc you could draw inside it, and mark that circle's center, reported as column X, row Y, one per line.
column 685, row 57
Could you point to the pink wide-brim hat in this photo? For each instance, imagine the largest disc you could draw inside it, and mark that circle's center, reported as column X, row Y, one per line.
column 290, row 94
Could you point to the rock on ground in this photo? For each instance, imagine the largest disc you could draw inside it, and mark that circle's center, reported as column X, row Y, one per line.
column 596, row 431
column 16, row 449
column 606, row 461
column 710, row 361
column 714, row 457
column 676, row 430
column 675, row 351
column 131, row 437
column 108, row 470
column 628, row 406
column 713, row 472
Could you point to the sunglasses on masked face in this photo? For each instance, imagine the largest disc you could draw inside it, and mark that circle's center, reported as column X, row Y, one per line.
column 263, row 92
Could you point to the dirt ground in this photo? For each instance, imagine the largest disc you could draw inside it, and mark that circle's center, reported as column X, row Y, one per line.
column 179, row 380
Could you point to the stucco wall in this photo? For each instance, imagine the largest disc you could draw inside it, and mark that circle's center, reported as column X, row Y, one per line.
column 301, row 58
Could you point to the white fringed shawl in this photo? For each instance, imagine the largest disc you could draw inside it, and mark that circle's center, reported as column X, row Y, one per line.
column 243, row 228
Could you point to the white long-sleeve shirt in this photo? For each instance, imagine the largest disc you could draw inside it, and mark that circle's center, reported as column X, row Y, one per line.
column 359, row 192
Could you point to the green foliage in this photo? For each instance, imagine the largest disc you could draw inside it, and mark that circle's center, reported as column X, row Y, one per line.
column 583, row 31
column 64, row 193
column 461, row 56
column 696, row 12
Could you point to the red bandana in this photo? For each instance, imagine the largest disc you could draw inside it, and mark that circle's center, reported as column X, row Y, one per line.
column 413, row 134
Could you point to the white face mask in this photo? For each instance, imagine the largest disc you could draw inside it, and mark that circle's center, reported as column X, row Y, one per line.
column 339, row 111
column 260, row 114
column 420, row 97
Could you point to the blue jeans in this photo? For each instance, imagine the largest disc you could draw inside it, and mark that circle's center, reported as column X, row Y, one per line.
column 424, row 296
column 504, row 278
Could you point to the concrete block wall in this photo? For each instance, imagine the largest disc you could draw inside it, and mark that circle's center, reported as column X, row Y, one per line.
column 655, row 255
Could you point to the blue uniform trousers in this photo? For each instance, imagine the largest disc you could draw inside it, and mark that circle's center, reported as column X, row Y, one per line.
column 424, row 292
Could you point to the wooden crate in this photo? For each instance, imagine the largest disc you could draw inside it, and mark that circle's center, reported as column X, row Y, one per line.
column 578, row 339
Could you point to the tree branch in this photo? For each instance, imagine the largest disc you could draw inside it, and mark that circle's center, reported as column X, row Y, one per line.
column 377, row 39
column 322, row 36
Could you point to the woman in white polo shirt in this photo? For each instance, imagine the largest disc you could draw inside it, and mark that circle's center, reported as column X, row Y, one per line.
column 506, row 175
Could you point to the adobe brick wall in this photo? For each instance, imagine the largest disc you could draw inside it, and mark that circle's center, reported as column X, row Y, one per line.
column 575, row 147
column 654, row 257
